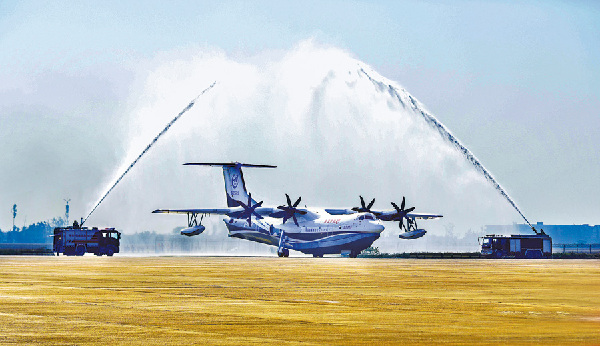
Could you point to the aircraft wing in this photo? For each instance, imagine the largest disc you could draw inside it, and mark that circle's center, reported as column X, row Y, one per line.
column 424, row 216
column 392, row 215
column 263, row 211
column 384, row 214
column 219, row 211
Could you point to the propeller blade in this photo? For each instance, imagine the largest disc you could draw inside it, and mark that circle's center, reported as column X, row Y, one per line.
column 362, row 202
column 370, row 204
column 289, row 211
column 241, row 204
column 403, row 203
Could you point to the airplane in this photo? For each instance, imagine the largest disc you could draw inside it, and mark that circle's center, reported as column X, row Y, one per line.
column 289, row 227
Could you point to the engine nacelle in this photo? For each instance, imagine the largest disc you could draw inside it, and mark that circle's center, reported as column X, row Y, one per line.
column 193, row 230
column 418, row 233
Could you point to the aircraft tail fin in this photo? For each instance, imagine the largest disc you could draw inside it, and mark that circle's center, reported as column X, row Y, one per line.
column 235, row 187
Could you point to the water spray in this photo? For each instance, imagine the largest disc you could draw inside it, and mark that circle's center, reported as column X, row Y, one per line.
column 187, row 108
column 445, row 133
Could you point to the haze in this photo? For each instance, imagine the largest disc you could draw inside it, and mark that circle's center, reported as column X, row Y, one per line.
column 84, row 86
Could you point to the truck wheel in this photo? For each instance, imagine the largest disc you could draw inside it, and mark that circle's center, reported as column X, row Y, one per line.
column 80, row 250
column 110, row 251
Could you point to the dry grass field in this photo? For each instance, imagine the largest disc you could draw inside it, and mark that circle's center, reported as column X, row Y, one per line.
column 198, row 300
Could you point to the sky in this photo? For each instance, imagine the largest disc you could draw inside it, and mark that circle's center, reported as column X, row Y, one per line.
column 517, row 83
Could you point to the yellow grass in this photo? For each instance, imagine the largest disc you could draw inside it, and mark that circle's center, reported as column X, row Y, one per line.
column 196, row 300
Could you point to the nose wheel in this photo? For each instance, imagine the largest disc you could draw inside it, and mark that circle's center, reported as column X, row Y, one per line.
column 283, row 253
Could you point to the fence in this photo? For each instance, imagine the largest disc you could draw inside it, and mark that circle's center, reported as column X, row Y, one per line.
column 576, row 248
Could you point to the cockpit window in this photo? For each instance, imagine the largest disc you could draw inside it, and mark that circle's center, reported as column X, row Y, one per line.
column 369, row 217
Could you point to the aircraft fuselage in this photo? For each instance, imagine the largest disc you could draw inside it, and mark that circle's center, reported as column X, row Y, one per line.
column 325, row 234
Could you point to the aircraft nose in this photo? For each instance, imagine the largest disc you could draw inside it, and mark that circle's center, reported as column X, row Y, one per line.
column 377, row 226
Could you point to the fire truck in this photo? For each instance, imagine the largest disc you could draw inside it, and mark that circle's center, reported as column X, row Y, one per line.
column 76, row 241
column 516, row 246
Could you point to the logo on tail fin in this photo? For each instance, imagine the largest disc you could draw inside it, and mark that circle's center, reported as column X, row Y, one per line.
column 234, row 180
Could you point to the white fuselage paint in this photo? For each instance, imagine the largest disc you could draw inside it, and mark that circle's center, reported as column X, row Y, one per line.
column 316, row 226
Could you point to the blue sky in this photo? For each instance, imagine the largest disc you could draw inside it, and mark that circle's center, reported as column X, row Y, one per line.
column 517, row 82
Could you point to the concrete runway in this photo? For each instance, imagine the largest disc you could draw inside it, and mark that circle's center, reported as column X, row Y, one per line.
column 334, row 301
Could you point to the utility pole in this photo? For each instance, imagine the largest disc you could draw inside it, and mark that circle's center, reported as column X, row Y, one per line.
column 14, row 210
column 67, row 212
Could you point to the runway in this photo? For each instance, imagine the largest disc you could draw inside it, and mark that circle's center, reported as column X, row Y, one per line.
column 262, row 300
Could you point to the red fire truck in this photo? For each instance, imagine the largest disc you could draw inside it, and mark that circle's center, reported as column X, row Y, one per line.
column 76, row 241
column 517, row 246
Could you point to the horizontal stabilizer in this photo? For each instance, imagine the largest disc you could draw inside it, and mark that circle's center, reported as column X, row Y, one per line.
column 228, row 164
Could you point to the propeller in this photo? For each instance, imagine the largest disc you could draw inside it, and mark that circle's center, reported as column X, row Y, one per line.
column 289, row 211
column 364, row 208
column 248, row 211
column 401, row 212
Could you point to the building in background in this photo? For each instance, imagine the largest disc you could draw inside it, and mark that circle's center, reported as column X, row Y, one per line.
column 561, row 234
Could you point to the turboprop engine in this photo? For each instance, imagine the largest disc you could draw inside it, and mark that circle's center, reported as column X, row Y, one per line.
column 190, row 231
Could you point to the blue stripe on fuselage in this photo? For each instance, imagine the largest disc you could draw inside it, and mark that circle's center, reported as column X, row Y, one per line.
column 311, row 243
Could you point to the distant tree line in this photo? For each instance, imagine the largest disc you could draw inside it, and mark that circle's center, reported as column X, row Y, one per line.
column 37, row 233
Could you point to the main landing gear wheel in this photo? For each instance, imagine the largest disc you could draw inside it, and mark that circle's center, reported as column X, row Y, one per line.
column 317, row 255
column 283, row 253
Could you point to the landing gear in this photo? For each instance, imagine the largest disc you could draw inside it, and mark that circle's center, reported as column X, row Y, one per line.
column 282, row 251
column 318, row 255
column 353, row 254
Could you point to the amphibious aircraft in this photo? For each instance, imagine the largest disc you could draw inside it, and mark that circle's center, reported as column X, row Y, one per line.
column 290, row 227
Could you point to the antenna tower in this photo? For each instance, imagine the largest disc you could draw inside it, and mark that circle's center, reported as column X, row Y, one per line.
column 14, row 210
column 67, row 212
